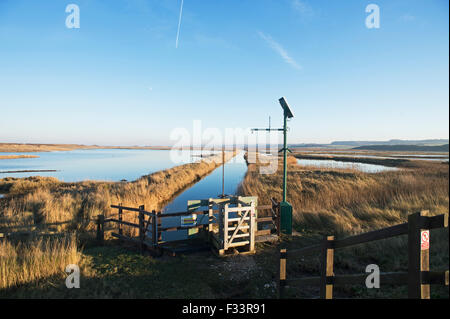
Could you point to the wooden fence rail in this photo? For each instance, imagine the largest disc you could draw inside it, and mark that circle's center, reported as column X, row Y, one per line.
column 149, row 224
column 418, row 278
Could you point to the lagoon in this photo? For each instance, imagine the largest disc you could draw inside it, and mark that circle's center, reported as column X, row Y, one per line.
column 97, row 164
column 363, row 167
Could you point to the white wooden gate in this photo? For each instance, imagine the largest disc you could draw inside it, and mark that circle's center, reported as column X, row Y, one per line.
column 237, row 226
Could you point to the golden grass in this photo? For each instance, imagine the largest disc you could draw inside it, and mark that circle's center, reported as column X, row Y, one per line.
column 38, row 200
column 28, row 262
column 345, row 201
column 35, row 201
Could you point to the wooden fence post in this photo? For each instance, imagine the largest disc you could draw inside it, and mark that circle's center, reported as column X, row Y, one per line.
column 326, row 268
column 418, row 258
column 154, row 229
column 100, row 228
column 210, row 218
column 282, row 281
column 141, row 228
column 120, row 220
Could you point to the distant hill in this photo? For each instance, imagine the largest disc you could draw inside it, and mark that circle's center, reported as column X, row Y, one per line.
column 308, row 145
column 405, row 148
column 429, row 142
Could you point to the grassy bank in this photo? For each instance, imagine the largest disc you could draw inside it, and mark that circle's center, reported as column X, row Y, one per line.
column 346, row 201
column 343, row 202
column 37, row 200
column 17, row 156
column 19, row 147
column 30, row 261
column 34, row 201
column 326, row 201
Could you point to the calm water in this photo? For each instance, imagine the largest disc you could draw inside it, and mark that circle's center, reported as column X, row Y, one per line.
column 208, row 187
column 416, row 157
column 106, row 165
column 211, row 185
column 367, row 168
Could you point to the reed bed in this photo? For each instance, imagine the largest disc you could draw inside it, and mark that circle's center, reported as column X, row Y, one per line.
column 39, row 200
column 347, row 201
column 31, row 261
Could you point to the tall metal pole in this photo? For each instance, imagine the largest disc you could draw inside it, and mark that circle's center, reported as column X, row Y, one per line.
column 223, row 171
column 284, row 156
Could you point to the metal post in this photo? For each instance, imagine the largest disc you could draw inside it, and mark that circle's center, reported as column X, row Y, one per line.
column 223, row 171
column 284, row 155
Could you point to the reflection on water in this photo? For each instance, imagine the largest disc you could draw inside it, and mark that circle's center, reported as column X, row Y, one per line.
column 211, row 185
column 363, row 167
column 208, row 187
column 98, row 164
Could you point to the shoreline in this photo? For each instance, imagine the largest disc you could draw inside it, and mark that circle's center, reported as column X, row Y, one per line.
column 17, row 156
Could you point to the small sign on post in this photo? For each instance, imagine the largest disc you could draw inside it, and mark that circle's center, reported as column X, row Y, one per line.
column 425, row 240
column 189, row 221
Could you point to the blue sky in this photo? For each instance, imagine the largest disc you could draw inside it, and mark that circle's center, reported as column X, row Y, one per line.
column 119, row 78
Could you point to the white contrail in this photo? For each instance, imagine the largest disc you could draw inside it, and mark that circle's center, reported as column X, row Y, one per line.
column 280, row 50
column 179, row 23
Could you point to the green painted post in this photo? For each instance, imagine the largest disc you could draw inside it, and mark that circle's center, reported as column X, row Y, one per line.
column 284, row 156
column 286, row 218
column 285, row 207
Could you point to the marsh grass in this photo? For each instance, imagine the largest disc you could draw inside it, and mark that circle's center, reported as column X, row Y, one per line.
column 31, row 261
column 347, row 201
column 35, row 202
column 343, row 202
column 40, row 200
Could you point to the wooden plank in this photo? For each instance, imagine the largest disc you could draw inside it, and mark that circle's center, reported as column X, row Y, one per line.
column 238, row 219
column 141, row 227
column 326, row 268
column 120, row 221
column 154, row 229
column 210, row 216
column 253, row 226
column 131, row 209
column 418, row 259
column 225, row 227
column 123, row 222
column 264, row 219
column 282, row 277
column 240, row 236
column 242, row 227
column 238, row 243
column 384, row 233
